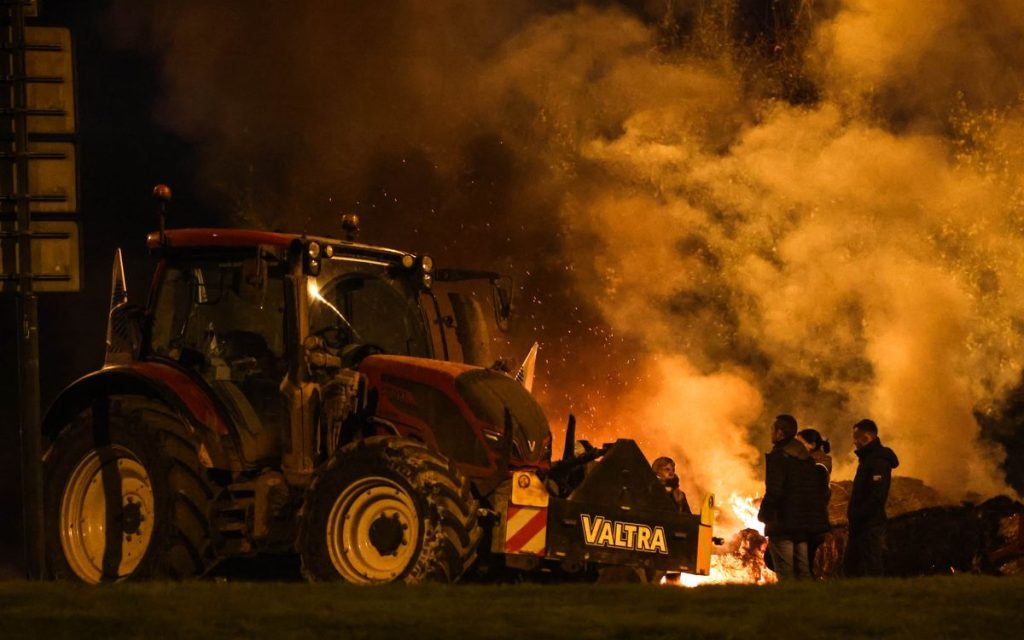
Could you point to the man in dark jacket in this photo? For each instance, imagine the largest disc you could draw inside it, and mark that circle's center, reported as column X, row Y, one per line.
column 866, row 512
column 787, row 509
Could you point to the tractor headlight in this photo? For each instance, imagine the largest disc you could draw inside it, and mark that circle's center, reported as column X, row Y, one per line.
column 313, row 250
column 427, row 263
column 329, row 251
column 408, row 261
column 427, row 280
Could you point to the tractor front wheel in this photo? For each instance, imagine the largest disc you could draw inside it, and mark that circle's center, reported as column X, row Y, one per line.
column 388, row 509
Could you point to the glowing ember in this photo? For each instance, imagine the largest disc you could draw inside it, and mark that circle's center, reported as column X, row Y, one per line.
column 728, row 568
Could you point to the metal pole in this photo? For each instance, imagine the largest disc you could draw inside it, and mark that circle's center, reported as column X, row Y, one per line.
column 31, row 439
column 28, row 326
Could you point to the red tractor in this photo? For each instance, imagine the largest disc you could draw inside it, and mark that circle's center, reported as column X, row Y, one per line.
column 289, row 393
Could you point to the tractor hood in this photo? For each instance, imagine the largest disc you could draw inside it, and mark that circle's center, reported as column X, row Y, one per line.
column 459, row 408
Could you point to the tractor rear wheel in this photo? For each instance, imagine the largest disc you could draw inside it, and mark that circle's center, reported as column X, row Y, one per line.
column 126, row 497
column 388, row 509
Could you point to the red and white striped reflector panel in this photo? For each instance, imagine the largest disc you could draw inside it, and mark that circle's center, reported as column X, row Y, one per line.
column 526, row 530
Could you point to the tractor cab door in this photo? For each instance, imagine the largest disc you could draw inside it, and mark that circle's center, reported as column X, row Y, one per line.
column 222, row 317
column 472, row 307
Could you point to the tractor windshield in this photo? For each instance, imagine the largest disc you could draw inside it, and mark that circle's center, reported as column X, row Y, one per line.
column 361, row 302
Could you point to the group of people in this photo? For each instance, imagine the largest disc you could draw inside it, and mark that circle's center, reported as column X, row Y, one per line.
column 795, row 507
column 797, row 493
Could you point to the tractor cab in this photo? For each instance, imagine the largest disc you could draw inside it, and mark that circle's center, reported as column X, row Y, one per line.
column 276, row 328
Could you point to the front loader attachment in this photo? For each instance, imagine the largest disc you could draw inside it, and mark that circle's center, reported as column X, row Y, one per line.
column 620, row 514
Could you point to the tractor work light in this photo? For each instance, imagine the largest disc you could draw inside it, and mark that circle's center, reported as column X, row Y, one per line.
column 310, row 254
column 408, row 261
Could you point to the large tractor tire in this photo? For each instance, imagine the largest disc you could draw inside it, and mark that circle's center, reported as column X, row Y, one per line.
column 126, row 497
column 388, row 509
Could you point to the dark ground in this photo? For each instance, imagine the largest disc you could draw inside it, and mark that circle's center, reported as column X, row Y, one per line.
column 947, row 607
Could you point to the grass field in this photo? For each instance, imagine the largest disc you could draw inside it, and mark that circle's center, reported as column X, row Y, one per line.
column 948, row 607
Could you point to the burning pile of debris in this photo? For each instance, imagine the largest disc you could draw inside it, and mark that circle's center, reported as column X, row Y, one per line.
column 926, row 535
column 740, row 560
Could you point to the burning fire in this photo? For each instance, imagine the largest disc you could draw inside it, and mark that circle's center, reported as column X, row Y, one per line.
column 741, row 559
column 745, row 511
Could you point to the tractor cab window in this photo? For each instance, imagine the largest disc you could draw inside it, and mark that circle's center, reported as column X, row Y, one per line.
column 224, row 319
column 355, row 305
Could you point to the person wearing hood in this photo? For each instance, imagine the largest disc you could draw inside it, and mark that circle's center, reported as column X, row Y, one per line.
column 787, row 509
column 866, row 512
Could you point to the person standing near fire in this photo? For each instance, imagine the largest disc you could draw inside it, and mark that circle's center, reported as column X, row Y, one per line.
column 787, row 509
column 819, row 449
column 866, row 512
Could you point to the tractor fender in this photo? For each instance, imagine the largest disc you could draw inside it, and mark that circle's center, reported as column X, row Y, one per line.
column 161, row 382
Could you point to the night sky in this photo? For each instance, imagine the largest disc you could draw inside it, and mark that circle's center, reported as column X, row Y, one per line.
column 714, row 211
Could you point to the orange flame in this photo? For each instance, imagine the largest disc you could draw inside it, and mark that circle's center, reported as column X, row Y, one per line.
column 746, row 512
column 742, row 559
column 726, row 569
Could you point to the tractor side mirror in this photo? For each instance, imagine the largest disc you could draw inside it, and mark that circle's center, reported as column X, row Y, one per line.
column 471, row 329
column 501, row 290
column 501, row 297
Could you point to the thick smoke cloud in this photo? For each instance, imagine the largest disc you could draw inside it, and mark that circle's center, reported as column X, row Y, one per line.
column 718, row 211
